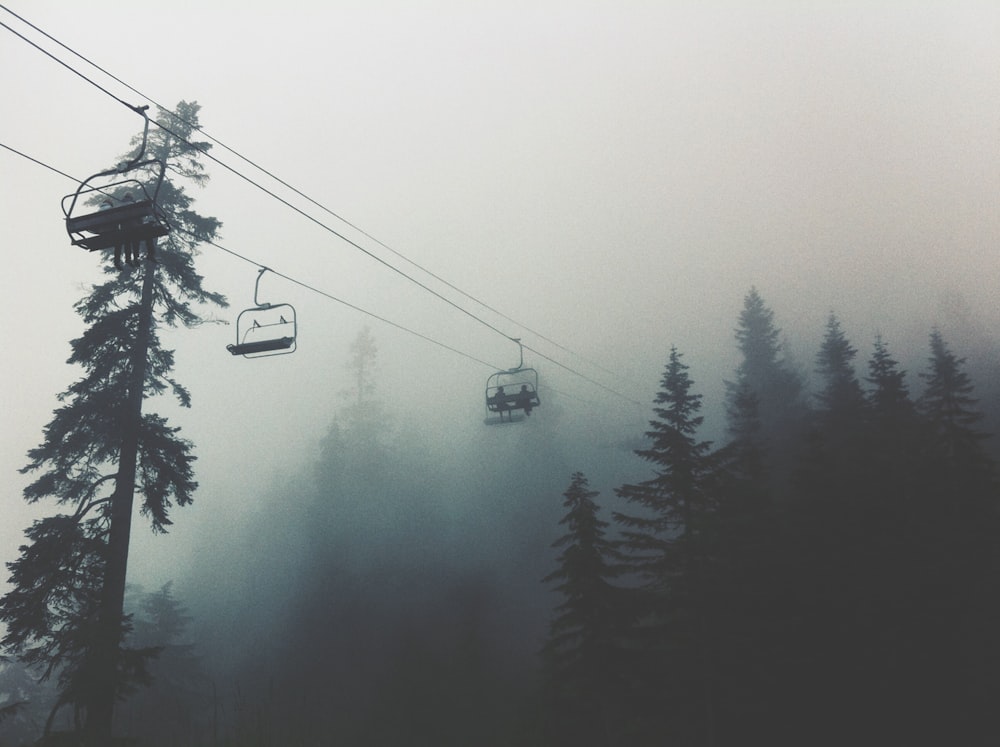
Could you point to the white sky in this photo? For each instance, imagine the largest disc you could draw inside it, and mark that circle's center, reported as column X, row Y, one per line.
column 615, row 175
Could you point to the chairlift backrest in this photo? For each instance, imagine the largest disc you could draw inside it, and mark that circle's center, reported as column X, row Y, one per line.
column 117, row 220
column 260, row 331
column 265, row 328
column 128, row 211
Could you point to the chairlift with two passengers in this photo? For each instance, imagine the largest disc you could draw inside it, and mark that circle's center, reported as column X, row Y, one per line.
column 265, row 329
column 128, row 214
column 511, row 395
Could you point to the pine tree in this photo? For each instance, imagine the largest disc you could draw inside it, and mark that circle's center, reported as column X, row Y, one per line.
column 837, row 441
column 746, row 602
column 766, row 375
column 829, row 542
column 744, row 453
column 749, row 603
column 583, row 650
column 356, row 443
column 961, row 562
column 896, row 427
column 889, row 396
column 840, row 398
column 23, row 703
column 64, row 610
column 173, row 708
column 951, row 409
column 665, row 543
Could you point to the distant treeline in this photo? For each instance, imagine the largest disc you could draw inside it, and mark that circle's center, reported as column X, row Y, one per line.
column 829, row 575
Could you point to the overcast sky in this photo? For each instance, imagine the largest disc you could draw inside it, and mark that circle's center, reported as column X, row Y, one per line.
column 612, row 175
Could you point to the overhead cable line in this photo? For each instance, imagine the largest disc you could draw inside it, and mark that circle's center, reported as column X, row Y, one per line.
column 56, row 59
column 384, row 262
column 582, row 376
column 40, row 163
column 289, row 278
column 257, row 184
column 304, row 214
column 311, row 200
column 348, row 304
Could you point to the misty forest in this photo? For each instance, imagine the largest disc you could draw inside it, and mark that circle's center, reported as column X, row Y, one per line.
column 809, row 560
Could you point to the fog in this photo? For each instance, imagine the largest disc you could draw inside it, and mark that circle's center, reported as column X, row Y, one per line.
column 612, row 178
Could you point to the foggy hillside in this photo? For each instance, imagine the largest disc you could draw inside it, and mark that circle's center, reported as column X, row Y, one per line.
column 393, row 569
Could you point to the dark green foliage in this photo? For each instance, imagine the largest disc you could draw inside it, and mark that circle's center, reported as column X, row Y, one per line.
column 837, row 442
column 952, row 412
column 765, row 376
column 841, row 400
column 744, row 431
column 889, row 396
column 24, row 703
column 961, row 557
column 176, row 706
column 58, row 574
column 584, row 654
column 859, row 606
column 763, row 369
column 666, row 544
column 895, row 436
column 392, row 601
column 50, row 612
column 358, row 442
column 746, row 601
column 675, row 495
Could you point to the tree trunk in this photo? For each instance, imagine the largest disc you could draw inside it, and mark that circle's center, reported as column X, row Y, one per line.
column 108, row 638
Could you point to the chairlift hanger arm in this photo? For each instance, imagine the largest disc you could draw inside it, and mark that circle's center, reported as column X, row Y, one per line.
column 520, row 348
column 256, row 289
column 133, row 162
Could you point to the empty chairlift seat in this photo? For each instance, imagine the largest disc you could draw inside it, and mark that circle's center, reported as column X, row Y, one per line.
column 265, row 328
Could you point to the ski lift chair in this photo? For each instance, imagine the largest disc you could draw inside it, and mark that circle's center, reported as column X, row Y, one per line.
column 511, row 395
column 265, row 329
column 128, row 213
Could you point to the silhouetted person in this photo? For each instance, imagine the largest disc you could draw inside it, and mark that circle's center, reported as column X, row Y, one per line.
column 126, row 246
column 524, row 399
column 131, row 246
column 500, row 401
column 107, row 205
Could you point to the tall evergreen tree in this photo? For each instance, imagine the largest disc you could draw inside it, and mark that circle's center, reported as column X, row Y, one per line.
column 837, row 437
column 583, row 651
column 665, row 542
column 765, row 374
column 878, row 548
column 889, row 396
column 829, row 540
column 961, row 561
column 764, row 367
column 357, row 442
column 747, row 603
column 63, row 611
column 174, row 709
column 840, row 397
column 750, row 606
column 896, row 428
column 24, row 703
column 952, row 411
